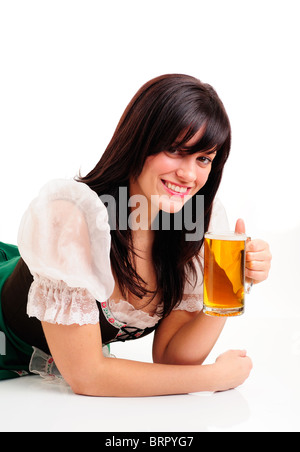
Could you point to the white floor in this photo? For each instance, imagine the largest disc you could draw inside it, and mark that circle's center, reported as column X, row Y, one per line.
column 268, row 401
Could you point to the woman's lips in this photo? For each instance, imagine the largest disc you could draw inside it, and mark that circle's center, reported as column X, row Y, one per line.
column 176, row 189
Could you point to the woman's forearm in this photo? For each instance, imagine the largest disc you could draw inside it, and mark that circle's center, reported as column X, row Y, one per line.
column 78, row 355
column 193, row 342
column 124, row 378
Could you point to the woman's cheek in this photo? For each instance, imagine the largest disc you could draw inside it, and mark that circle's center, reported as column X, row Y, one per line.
column 165, row 164
column 202, row 178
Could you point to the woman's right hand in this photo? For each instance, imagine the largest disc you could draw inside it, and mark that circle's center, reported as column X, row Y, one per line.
column 233, row 368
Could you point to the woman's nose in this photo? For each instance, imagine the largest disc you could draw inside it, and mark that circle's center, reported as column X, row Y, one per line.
column 187, row 170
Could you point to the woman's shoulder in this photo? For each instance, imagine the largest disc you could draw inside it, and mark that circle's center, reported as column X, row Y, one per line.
column 64, row 235
column 66, row 188
column 62, row 197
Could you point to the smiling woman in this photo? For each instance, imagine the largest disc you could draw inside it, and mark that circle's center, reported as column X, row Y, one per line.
column 175, row 172
column 169, row 114
column 76, row 284
column 169, row 179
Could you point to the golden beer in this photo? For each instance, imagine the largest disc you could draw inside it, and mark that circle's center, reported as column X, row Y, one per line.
column 224, row 274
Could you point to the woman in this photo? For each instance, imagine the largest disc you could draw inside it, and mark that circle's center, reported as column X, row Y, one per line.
column 98, row 263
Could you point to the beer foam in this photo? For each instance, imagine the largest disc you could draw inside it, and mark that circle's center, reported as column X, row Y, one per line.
column 231, row 236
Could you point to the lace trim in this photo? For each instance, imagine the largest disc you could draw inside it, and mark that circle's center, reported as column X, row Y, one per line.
column 126, row 313
column 55, row 302
column 190, row 303
column 43, row 365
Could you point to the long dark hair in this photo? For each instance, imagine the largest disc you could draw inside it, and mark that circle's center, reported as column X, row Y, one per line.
column 164, row 109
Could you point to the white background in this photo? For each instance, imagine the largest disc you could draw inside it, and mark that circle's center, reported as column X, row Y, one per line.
column 69, row 68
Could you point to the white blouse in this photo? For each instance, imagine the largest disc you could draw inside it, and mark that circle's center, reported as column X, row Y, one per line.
column 64, row 238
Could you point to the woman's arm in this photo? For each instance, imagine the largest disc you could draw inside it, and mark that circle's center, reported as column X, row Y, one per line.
column 186, row 337
column 77, row 351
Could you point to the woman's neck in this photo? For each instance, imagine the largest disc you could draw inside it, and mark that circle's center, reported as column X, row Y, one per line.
column 142, row 212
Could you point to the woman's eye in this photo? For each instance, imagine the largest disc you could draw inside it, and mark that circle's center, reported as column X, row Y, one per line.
column 174, row 152
column 204, row 161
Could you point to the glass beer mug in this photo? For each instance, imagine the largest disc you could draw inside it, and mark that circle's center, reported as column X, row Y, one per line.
column 224, row 274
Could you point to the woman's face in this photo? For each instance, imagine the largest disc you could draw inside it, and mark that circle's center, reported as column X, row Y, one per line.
column 169, row 179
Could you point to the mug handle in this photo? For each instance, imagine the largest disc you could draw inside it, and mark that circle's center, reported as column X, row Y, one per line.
column 248, row 287
column 249, row 284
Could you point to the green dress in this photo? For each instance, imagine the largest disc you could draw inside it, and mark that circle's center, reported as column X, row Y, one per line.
column 15, row 354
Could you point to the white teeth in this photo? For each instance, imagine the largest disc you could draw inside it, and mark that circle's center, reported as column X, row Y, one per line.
column 176, row 188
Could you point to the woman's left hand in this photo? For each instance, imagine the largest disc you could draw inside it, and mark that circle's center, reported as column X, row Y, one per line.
column 258, row 257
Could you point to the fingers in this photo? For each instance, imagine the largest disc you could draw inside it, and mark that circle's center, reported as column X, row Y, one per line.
column 258, row 260
column 256, row 265
column 258, row 256
column 257, row 246
column 237, row 353
column 257, row 271
column 256, row 276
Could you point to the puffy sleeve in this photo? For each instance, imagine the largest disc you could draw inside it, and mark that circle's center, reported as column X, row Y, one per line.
column 64, row 238
column 193, row 292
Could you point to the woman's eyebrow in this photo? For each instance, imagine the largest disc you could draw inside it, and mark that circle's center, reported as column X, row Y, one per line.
column 209, row 152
